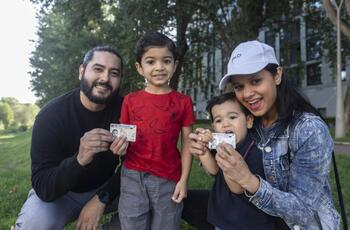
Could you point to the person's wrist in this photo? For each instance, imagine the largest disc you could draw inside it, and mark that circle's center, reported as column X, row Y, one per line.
column 204, row 154
column 82, row 161
column 103, row 197
column 251, row 185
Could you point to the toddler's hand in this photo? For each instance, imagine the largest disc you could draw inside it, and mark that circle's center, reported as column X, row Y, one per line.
column 199, row 141
column 205, row 135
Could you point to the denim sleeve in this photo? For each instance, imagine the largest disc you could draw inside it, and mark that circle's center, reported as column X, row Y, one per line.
column 312, row 148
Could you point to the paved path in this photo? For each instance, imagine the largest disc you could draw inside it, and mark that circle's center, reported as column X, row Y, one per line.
column 342, row 147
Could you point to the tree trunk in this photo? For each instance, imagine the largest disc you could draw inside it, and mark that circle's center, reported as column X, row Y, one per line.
column 332, row 15
column 183, row 18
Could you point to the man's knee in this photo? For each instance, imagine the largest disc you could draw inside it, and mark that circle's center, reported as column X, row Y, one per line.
column 37, row 214
column 33, row 220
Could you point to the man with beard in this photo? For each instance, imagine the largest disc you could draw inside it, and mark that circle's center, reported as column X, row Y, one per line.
column 73, row 154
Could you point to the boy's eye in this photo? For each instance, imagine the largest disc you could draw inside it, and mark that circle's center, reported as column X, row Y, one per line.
column 167, row 61
column 150, row 62
column 217, row 121
column 233, row 117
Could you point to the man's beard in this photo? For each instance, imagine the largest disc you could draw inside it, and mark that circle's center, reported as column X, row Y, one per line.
column 87, row 90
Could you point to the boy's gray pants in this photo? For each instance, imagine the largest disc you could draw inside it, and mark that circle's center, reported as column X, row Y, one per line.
column 145, row 202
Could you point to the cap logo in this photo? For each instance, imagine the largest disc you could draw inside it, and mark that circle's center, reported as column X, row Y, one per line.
column 236, row 56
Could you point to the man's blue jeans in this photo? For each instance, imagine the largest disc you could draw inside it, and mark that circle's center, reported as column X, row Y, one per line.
column 37, row 214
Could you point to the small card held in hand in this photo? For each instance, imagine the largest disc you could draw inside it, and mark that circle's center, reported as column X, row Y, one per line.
column 129, row 131
column 229, row 138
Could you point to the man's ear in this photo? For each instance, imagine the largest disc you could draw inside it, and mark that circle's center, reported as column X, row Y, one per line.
column 139, row 68
column 81, row 72
column 250, row 121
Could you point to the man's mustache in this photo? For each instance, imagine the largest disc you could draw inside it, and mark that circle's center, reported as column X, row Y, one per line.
column 104, row 84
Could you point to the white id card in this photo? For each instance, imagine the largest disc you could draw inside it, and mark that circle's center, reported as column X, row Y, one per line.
column 129, row 131
column 229, row 138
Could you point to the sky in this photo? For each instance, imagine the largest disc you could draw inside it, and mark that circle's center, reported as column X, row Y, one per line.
column 18, row 26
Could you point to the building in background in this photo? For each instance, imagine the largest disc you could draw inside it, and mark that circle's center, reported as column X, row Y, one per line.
column 298, row 49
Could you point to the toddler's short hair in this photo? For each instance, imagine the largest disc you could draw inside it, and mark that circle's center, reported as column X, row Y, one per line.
column 218, row 100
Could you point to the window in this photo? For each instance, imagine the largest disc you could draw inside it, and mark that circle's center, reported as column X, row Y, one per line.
column 313, row 74
column 293, row 75
column 290, row 44
column 313, row 48
column 313, row 44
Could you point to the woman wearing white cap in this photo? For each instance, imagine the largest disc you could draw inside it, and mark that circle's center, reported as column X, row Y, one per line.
column 295, row 141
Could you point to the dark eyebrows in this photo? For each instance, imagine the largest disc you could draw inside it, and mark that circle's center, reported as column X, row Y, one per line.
column 218, row 116
column 229, row 113
column 98, row 65
column 151, row 57
column 233, row 112
column 251, row 76
column 102, row 66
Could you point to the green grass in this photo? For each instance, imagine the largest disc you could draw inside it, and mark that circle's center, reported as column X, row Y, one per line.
column 14, row 174
column 343, row 165
column 15, row 177
column 345, row 139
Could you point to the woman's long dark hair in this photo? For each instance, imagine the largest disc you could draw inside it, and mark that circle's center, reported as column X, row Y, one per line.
column 289, row 98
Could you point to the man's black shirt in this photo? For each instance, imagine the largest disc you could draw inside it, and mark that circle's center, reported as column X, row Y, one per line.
column 55, row 144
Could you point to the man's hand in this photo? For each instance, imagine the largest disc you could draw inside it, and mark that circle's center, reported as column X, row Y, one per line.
column 94, row 141
column 90, row 215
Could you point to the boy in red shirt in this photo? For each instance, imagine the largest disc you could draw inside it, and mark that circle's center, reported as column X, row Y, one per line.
column 154, row 175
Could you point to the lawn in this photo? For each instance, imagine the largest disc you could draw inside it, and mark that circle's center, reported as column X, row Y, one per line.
column 15, row 177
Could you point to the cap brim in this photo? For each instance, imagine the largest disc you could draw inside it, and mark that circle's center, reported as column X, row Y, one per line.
column 223, row 81
column 242, row 70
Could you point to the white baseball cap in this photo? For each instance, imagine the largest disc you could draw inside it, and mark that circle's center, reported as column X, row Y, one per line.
column 248, row 58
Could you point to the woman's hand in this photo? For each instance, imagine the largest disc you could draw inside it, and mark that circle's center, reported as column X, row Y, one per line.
column 199, row 141
column 235, row 168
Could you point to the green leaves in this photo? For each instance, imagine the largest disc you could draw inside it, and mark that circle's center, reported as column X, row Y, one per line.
column 200, row 27
column 14, row 114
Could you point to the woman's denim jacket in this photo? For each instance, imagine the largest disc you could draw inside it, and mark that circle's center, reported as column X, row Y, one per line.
column 297, row 165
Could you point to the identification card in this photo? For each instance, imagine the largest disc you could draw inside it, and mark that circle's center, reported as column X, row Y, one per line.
column 129, row 131
column 229, row 138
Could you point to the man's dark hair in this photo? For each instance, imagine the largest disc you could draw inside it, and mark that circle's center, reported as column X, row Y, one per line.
column 218, row 100
column 102, row 48
column 154, row 39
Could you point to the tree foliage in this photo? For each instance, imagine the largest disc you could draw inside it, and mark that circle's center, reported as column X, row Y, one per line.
column 6, row 114
column 15, row 114
column 24, row 115
column 69, row 28
column 64, row 33
column 197, row 26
